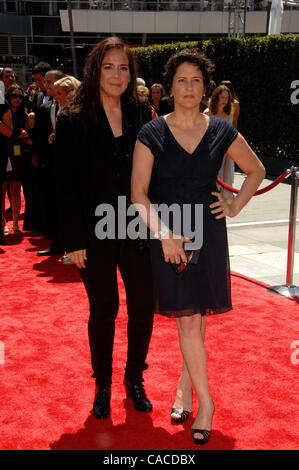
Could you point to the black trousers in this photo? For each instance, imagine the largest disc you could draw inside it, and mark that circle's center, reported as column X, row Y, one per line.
column 28, row 190
column 48, row 187
column 100, row 280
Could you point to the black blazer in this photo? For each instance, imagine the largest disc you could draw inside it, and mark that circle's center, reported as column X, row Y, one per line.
column 39, row 100
column 79, row 144
column 40, row 133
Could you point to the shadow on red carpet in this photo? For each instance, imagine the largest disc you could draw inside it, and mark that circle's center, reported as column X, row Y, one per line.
column 136, row 432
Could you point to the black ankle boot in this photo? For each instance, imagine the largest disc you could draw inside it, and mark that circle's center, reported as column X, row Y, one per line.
column 101, row 404
column 137, row 393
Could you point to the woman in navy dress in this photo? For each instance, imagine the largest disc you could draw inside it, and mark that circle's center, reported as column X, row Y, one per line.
column 180, row 155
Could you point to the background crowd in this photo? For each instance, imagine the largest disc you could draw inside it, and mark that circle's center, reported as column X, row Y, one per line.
column 27, row 133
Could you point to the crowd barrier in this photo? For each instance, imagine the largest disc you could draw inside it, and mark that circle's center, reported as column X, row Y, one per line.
column 288, row 289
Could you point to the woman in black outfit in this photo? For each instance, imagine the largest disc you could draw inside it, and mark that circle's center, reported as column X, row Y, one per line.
column 182, row 153
column 94, row 143
column 17, row 148
column 5, row 131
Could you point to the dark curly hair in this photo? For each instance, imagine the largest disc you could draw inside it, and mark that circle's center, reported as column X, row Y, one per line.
column 193, row 56
column 87, row 99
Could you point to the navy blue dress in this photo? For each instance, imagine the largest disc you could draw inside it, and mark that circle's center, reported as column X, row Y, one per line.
column 179, row 177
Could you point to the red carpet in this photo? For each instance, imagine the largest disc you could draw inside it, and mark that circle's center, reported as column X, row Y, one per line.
column 47, row 392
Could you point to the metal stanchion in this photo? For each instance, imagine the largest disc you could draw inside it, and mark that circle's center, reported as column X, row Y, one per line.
column 289, row 290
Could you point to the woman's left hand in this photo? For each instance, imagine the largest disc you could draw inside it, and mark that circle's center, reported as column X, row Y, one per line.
column 222, row 207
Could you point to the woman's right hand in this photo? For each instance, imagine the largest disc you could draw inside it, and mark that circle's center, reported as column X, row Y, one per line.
column 78, row 258
column 173, row 248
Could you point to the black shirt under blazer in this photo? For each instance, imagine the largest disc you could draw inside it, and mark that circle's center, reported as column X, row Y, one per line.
column 84, row 164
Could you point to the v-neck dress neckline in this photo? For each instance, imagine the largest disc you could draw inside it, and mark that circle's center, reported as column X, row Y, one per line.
column 179, row 145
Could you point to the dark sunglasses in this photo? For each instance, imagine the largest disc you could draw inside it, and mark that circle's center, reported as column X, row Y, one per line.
column 15, row 95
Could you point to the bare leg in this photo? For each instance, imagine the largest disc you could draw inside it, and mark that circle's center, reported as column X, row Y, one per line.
column 183, row 399
column 203, row 326
column 15, row 189
column 194, row 354
column 4, row 189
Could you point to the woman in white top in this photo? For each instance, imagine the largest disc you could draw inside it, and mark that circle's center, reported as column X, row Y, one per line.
column 220, row 106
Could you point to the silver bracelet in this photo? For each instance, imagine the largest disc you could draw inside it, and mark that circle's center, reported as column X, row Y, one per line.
column 164, row 231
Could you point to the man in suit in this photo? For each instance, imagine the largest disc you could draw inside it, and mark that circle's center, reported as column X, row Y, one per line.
column 34, row 218
column 38, row 75
column 44, row 126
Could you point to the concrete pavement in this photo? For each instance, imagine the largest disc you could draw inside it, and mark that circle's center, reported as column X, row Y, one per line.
column 258, row 236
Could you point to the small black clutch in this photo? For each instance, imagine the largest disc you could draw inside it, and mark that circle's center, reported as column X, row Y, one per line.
column 192, row 258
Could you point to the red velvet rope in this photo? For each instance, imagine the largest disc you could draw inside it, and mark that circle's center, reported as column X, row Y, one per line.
column 259, row 191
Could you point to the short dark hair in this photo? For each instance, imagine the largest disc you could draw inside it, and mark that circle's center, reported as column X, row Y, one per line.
column 58, row 73
column 193, row 56
column 42, row 68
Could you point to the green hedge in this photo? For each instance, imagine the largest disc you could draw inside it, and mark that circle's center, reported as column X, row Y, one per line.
column 262, row 70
